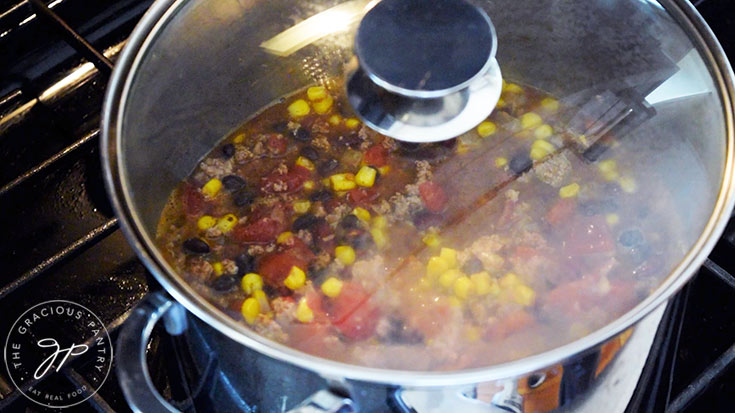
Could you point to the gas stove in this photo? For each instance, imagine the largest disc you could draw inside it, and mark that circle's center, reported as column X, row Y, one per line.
column 61, row 239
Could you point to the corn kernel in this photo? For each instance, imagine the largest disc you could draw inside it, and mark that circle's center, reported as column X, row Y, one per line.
column 462, row 148
column 217, row 267
column 342, row 182
column 569, row 191
column 627, row 184
column 296, row 278
column 531, row 120
column 609, row 169
column 449, row 276
column 323, row 106
column 332, row 287
column 212, row 188
column 226, row 223
column 512, row 88
column 316, row 93
column 283, row 237
column 335, row 120
column 537, row 154
column 345, row 254
column 262, row 300
column 501, row 103
column 543, row 132
column 379, row 237
column 325, row 181
column 250, row 309
column 251, row 282
column 305, row 163
column 206, row 222
column 366, row 176
column 301, row 207
column 481, row 282
column 550, row 104
column 462, row 287
column 509, row 280
column 612, row 219
column 303, row 312
column 524, row 295
column 501, row 162
column 362, row 213
column 540, row 149
column 309, row 185
column 454, row 302
column 486, row 129
column 449, row 255
column 379, row 222
column 239, row 138
column 352, row 123
column 610, row 175
column 436, row 267
column 431, row 239
column 299, row 108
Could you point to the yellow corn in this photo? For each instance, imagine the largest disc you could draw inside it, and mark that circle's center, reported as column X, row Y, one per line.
column 305, row 162
column 206, row 222
column 303, row 312
column 316, row 93
column 342, row 182
column 531, row 120
column 250, row 309
column 431, row 239
column 301, row 207
column 309, row 185
column 323, row 106
column 612, row 219
column 486, row 129
column 251, row 282
column 379, row 222
column 283, row 237
column 569, row 191
column 436, row 267
column 379, row 237
column 609, row 169
column 524, row 295
column 299, row 108
column 449, row 255
column 345, row 254
column 384, row 170
column 366, row 176
column 512, row 88
column 217, row 267
column 239, row 138
column 226, row 223
column 262, row 300
column 454, row 302
column 501, row 103
column 540, row 148
column 211, row 188
column 449, row 276
column 332, row 287
column 462, row 287
column 501, row 162
column 362, row 213
column 550, row 104
column 296, row 278
column 627, row 184
column 509, row 280
column 335, row 120
column 543, row 132
column 462, row 148
column 352, row 123
column 482, row 283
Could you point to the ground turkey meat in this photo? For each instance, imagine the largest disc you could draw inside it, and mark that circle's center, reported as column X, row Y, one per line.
column 554, row 171
column 200, row 269
column 216, row 167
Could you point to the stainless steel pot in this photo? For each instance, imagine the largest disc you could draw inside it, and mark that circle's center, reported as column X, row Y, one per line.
column 194, row 70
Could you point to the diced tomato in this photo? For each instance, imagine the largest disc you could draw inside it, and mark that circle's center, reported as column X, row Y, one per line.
column 316, row 304
column 376, row 155
column 433, row 196
column 323, row 236
column 525, row 252
column 589, row 235
column 289, row 182
column 260, row 231
column 192, row 200
column 362, row 196
column 352, row 312
column 299, row 248
column 561, row 211
column 578, row 296
column 277, row 144
column 512, row 323
column 274, row 268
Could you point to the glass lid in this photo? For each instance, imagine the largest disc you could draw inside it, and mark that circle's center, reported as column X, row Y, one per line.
column 585, row 183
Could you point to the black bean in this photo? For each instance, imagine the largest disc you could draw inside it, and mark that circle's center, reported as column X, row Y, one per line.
column 306, row 221
column 327, row 166
column 351, row 140
column 520, row 163
column 631, row 238
column 233, row 183
column 321, row 196
column 408, row 146
column 449, row 143
column 243, row 197
column 228, row 150
column 472, row 266
column 302, row 135
column 399, row 333
column 361, row 240
column 425, row 219
column 245, row 263
column 225, row 283
column 309, row 152
column 350, row 221
column 196, row 246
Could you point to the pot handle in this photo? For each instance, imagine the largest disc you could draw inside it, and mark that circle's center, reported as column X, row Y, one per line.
column 132, row 368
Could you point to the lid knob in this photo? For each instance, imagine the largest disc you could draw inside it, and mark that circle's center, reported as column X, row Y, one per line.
column 427, row 69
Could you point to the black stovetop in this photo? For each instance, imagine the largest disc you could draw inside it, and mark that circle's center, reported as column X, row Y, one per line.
column 61, row 239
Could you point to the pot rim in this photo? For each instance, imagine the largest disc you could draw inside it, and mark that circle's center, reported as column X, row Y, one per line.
column 116, row 184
